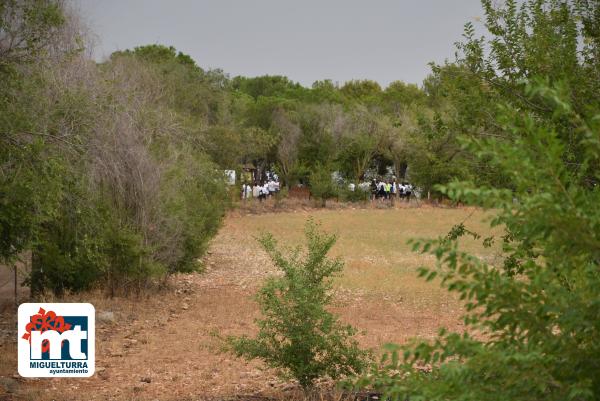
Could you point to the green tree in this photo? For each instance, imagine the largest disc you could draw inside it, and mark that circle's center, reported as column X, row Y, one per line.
column 397, row 143
column 289, row 134
column 399, row 96
column 267, row 86
column 361, row 89
column 101, row 178
column 359, row 143
column 436, row 155
column 317, row 145
column 297, row 335
column 27, row 28
column 326, row 91
column 536, row 311
column 321, row 183
column 30, row 167
column 534, row 38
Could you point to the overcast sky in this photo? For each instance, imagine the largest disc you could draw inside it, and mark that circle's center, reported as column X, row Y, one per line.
column 306, row 40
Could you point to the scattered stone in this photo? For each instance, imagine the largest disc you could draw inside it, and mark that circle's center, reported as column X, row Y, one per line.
column 146, row 379
column 105, row 317
column 185, row 306
column 102, row 373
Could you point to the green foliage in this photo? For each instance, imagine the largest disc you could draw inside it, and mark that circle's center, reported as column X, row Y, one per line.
column 399, row 96
column 197, row 94
column 195, row 200
column 102, row 178
column 26, row 28
column 358, row 195
column 160, row 54
column 326, row 91
column 297, row 335
column 529, row 39
column 532, row 317
column 357, row 154
column 30, row 184
column 436, row 155
column 322, row 185
column 267, row 86
column 361, row 89
column 536, row 312
column 34, row 186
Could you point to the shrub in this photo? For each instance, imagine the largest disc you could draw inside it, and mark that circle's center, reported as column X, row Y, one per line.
column 297, row 335
column 322, row 185
column 358, row 195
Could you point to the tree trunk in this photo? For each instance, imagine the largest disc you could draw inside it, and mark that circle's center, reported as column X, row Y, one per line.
column 37, row 275
column 16, row 288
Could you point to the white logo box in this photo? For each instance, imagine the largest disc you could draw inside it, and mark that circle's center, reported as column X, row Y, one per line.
column 77, row 362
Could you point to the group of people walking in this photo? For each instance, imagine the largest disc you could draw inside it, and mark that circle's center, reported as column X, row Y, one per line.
column 260, row 191
column 381, row 189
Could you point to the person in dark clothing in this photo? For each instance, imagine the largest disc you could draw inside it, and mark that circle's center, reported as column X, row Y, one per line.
column 373, row 189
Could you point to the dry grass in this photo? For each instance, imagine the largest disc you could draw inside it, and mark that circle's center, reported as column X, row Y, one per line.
column 170, row 337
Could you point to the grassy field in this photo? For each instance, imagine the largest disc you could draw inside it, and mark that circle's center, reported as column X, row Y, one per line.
column 165, row 346
column 373, row 243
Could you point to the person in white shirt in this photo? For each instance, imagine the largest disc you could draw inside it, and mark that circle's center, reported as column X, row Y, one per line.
column 256, row 190
column 408, row 191
column 271, row 186
column 263, row 191
column 248, row 191
column 381, row 189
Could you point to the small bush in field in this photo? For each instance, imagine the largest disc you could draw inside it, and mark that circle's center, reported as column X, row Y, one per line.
column 322, row 186
column 297, row 335
column 358, row 195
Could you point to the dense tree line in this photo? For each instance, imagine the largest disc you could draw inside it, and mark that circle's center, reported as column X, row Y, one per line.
column 103, row 181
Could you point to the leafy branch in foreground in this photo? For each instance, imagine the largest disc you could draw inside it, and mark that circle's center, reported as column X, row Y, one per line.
column 297, row 335
column 533, row 321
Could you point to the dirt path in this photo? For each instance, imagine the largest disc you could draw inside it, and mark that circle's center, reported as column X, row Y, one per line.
column 165, row 347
